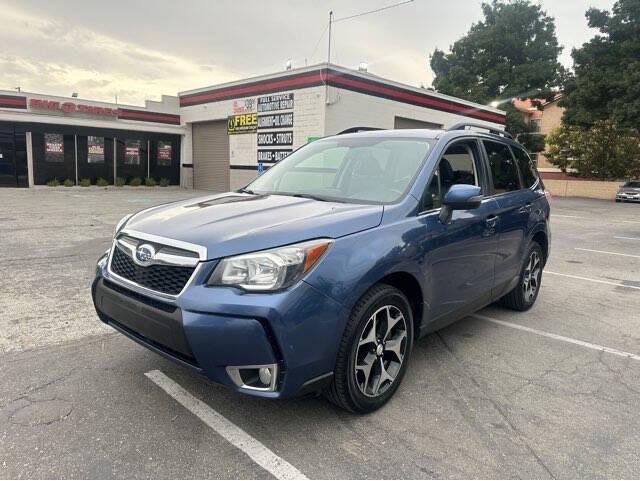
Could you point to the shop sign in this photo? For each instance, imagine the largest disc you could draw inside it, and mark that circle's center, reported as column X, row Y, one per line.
column 95, row 149
column 272, row 155
column 275, row 139
column 243, row 105
column 242, row 123
column 275, row 121
column 271, row 103
column 54, row 147
column 132, row 152
column 72, row 108
column 164, row 153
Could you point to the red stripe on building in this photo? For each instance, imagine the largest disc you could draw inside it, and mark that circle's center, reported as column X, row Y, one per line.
column 401, row 95
column 20, row 102
column 233, row 92
column 149, row 117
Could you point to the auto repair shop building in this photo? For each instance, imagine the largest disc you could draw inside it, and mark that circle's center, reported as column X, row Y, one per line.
column 218, row 138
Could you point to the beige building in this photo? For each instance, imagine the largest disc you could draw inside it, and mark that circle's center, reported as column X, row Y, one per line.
column 544, row 118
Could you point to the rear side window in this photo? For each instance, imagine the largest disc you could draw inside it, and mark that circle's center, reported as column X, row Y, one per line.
column 527, row 169
column 503, row 167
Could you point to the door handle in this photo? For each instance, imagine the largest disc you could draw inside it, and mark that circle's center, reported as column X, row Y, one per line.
column 491, row 221
column 526, row 208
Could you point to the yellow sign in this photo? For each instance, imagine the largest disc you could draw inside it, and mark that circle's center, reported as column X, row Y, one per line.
column 242, row 123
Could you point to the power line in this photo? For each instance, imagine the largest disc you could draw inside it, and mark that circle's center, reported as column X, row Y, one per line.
column 372, row 11
column 318, row 42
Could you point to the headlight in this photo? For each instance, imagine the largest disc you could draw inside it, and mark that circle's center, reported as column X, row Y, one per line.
column 269, row 270
column 122, row 223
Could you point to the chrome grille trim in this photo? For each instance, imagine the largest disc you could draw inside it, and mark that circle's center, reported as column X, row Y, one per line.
column 201, row 251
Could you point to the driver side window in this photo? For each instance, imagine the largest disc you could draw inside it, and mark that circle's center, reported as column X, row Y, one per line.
column 456, row 166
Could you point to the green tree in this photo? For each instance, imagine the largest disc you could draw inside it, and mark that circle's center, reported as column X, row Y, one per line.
column 511, row 53
column 604, row 151
column 606, row 82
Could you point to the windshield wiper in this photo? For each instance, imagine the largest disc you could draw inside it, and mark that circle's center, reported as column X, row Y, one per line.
column 311, row 196
column 246, row 191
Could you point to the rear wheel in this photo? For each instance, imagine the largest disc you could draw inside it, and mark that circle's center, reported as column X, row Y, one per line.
column 524, row 295
column 374, row 351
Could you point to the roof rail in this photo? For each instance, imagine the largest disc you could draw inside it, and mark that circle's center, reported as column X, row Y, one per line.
column 355, row 130
column 494, row 131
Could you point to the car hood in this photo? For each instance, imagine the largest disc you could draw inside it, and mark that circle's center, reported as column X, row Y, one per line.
column 629, row 190
column 233, row 223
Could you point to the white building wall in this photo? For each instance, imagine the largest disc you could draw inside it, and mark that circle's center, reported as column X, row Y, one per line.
column 308, row 120
column 348, row 109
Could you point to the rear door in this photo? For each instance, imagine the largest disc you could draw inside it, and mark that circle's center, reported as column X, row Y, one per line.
column 514, row 209
column 460, row 256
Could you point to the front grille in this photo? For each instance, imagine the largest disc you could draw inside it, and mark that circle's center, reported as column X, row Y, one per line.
column 160, row 278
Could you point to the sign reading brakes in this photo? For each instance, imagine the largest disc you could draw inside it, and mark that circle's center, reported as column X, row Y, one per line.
column 242, row 123
column 271, row 156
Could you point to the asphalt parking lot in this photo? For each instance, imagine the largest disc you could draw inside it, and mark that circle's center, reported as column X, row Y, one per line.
column 550, row 393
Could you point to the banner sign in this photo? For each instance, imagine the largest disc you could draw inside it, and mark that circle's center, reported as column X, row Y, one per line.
column 95, row 149
column 271, row 103
column 54, row 147
column 272, row 156
column 243, row 105
column 164, row 153
column 242, row 123
column 132, row 152
column 275, row 121
column 275, row 139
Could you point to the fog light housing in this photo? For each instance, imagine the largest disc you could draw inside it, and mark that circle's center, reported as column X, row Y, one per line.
column 258, row 378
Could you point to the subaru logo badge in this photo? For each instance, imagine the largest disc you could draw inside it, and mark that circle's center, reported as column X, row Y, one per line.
column 145, row 254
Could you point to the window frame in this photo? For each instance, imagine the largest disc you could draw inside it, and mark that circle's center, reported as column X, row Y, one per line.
column 535, row 185
column 479, row 165
column 490, row 172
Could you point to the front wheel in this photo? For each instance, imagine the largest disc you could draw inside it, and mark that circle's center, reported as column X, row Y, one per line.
column 374, row 351
column 524, row 295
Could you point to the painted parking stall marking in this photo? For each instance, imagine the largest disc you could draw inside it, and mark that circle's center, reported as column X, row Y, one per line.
column 557, row 337
column 591, row 280
column 606, row 252
column 253, row 448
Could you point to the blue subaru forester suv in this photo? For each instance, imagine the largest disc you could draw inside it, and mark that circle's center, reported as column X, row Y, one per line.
column 320, row 274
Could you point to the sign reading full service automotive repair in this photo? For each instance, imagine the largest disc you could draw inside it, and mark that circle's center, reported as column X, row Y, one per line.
column 274, row 103
column 242, row 123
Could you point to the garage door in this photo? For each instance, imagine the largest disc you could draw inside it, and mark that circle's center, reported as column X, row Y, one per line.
column 211, row 156
column 404, row 123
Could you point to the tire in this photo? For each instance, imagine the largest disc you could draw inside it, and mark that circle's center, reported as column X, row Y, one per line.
column 524, row 295
column 617, row 200
column 364, row 365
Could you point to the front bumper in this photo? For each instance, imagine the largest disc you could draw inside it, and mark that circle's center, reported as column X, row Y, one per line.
column 628, row 198
column 209, row 329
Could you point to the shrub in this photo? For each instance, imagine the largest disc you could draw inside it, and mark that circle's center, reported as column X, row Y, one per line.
column 120, row 181
column 69, row 183
column 85, row 182
column 164, row 182
column 150, row 182
column 102, row 182
column 53, row 182
column 135, row 182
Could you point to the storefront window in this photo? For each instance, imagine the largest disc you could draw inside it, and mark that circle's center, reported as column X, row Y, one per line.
column 95, row 150
column 132, row 152
column 164, row 153
column 53, row 148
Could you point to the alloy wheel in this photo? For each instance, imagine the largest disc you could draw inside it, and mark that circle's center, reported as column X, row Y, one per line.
column 381, row 351
column 531, row 278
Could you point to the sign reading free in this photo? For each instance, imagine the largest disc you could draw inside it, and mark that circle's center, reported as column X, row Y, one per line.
column 242, row 123
column 72, row 108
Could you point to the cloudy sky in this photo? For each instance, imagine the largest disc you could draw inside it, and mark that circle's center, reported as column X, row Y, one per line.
column 141, row 49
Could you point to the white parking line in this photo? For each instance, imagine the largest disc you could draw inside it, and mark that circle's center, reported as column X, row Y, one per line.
column 592, row 280
column 557, row 337
column 606, row 252
column 627, row 238
column 253, row 448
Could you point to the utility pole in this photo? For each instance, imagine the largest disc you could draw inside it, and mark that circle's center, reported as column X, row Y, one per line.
column 326, row 84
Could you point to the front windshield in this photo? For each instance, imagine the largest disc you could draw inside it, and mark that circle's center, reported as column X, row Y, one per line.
column 634, row 184
column 348, row 169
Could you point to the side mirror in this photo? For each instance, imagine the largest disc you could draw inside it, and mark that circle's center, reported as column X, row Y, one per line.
column 460, row 197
